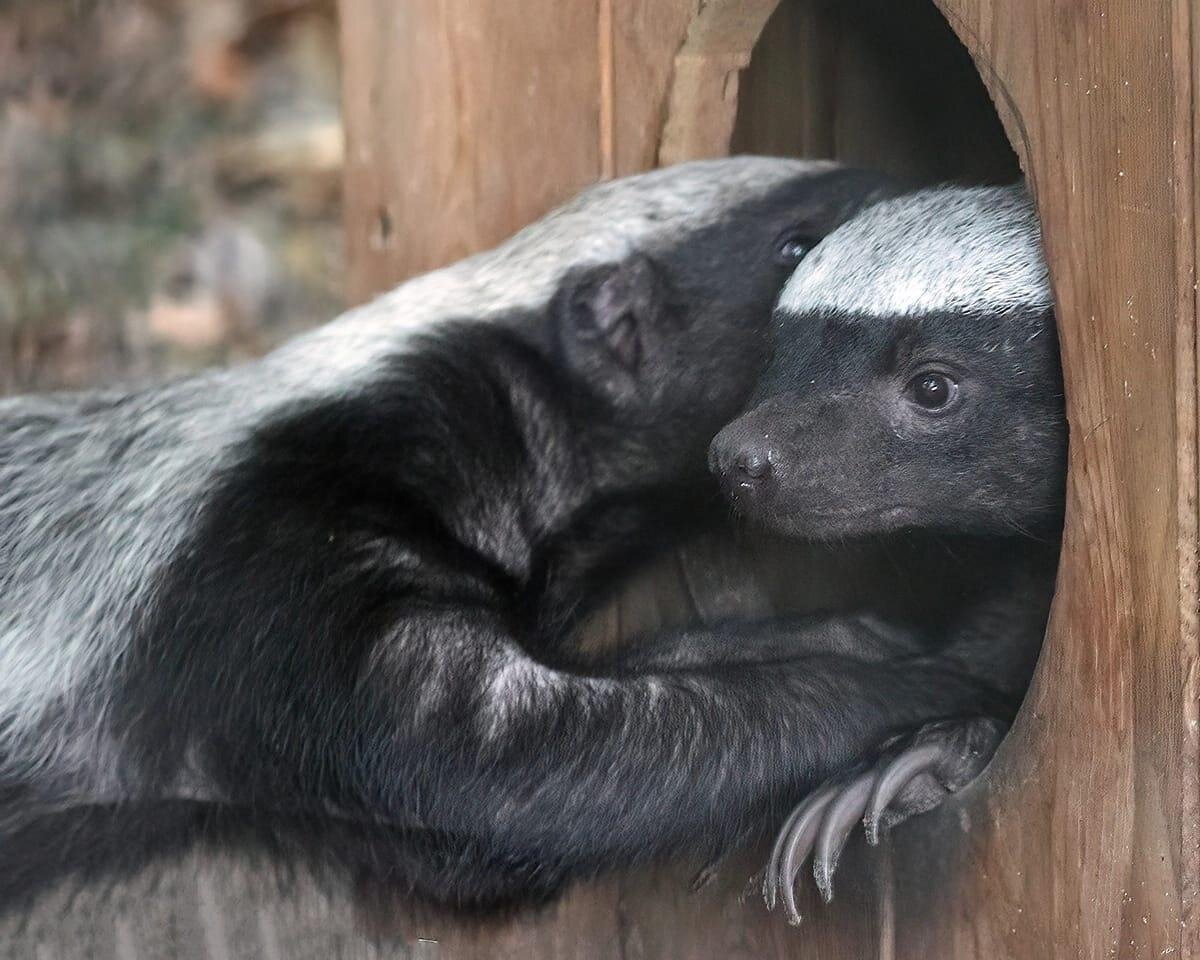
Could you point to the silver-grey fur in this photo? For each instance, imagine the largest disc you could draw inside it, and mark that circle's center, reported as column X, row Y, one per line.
column 946, row 248
column 92, row 508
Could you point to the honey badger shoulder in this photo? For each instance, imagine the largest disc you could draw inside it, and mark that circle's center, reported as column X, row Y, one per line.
column 305, row 591
column 915, row 380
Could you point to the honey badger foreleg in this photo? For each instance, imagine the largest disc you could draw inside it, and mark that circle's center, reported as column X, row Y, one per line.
column 619, row 766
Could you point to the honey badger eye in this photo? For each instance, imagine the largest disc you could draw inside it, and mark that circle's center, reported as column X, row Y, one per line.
column 933, row 391
column 793, row 247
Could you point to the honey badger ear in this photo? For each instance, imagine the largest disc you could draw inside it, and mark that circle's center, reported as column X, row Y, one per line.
column 602, row 316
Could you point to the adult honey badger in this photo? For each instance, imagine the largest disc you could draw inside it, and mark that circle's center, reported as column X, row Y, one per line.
column 322, row 594
column 915, row 386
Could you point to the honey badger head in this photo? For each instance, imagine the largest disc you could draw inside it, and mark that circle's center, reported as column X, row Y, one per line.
column 668, row 338
column 915, row 380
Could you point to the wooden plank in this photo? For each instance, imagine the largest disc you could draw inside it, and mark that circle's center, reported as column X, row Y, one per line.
column 1185, row 55
column 464, row 121
column 703, row 101
column 646, row 37
column 467, row 120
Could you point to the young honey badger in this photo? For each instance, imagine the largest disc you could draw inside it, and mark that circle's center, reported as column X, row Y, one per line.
column 915, row 387
column 320, row 596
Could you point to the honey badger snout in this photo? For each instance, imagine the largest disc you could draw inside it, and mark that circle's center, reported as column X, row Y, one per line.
column 753, row 462
column 786, row 463
column 744, row 459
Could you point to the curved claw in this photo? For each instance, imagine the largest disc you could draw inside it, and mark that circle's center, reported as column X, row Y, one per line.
column 954, row 752
column 770, row 879
column 894, row 778
column 797, row 842
column 843, row 813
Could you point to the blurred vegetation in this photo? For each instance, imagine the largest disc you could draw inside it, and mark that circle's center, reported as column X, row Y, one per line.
column 169, row 184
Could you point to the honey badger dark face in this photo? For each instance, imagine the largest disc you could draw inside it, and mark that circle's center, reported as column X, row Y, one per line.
column 915, row 380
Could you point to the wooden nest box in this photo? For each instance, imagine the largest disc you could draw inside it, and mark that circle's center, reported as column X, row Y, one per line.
column 471, row 119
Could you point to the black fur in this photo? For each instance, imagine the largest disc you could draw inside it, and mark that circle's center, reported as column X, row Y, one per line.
column 358, row 649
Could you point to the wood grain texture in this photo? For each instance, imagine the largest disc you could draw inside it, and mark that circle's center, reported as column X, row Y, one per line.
column 703, row 101
column 1185, row 55
column 466, row 120
column 646, row 38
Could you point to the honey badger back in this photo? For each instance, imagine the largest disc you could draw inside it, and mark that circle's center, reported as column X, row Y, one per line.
column 915, row 389
column 305, row 596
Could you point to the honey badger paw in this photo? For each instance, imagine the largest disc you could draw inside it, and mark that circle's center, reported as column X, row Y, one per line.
column 909, row 775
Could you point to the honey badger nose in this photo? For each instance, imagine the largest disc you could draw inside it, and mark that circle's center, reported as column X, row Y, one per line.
column 742, row 458
column 752, row 463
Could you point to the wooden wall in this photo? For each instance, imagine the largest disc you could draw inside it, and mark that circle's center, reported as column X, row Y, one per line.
column 471, row 119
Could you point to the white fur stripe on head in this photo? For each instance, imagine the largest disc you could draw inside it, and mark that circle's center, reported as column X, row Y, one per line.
column 947, row 248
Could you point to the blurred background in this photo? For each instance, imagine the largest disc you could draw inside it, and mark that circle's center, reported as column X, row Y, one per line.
column 170, row 184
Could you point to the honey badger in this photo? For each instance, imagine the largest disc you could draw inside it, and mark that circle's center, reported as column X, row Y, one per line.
column 915, row 388
column 321, row 597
